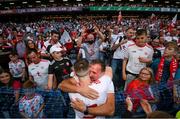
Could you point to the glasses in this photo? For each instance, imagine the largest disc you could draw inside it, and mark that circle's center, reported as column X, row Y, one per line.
column 144, row 73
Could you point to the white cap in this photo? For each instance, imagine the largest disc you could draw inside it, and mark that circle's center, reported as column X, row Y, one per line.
column 55, row 48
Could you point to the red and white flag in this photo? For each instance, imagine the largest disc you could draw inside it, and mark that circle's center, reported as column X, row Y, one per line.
column 119, row 18
column 153, row 17
column 174, row 19
column 172, row 23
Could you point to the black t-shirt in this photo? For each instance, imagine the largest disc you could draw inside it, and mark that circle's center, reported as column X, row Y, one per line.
column 61, row 69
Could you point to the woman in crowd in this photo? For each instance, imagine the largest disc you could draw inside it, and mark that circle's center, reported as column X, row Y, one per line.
column 31, row 45
column 8, row 99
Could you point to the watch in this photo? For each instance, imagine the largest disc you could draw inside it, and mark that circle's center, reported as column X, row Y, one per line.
column 86, row 111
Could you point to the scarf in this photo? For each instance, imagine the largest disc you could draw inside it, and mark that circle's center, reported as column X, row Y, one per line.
column 173, row 68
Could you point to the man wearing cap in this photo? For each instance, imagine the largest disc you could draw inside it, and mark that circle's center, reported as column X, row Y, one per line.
column 59, row 69
column 60, row 66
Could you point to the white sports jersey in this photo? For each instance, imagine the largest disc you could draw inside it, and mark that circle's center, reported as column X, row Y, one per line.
column 133, row 53
column 118, row 54
column 39, row 72
column 126, row 45
column 47, row 43
column 103, row 87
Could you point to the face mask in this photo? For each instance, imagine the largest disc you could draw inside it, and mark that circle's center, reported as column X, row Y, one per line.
column 91, row 42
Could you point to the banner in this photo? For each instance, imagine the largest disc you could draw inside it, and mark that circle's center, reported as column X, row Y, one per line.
column 40, row 10
column 133, row 8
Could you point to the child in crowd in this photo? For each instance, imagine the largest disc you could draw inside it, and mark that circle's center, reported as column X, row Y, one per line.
column 164, row 70
column 136, row 57
column 31, row 105
column 17, row 67
column 140, row 92
column 59, row 70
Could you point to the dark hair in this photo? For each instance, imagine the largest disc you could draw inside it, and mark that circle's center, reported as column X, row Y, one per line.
column 129, row 28
column 5, row 71
column 35, row 45
column 101, row 63
column 13, row 53
column 81, row 67
column 32, row 50
column 141, row 32
column 172, row 44
column 159, row 114
column 54, row 32
column 10, row 83
column 28, row 84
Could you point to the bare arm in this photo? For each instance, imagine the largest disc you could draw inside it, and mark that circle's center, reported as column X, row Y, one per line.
column 70, row 85
column 115, row 46
column 40, row 109
column 124, row 68
column 101, row 36
column 146, row 106
column 50, row 81
column 24, row 115
column 106, row 109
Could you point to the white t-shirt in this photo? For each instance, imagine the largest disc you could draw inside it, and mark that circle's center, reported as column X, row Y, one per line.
column 118, row 54
column 133, row 53
column 126, row 45
column 31, row 106
column 39, row 72
column 47, row 43
column 104, row 87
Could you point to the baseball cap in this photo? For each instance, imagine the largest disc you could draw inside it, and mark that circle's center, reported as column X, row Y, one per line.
column 55, row 48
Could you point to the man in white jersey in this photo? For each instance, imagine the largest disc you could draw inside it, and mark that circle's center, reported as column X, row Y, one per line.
column 45, row 51
column 137, row 56
column 38, row 70
column 103, row 86
column 117, row 39
column 95, row 96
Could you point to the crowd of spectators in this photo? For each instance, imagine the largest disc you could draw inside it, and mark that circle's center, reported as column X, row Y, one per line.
column 89, row 4
column 85, row 57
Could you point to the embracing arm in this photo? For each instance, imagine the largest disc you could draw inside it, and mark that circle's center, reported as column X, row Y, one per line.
column 71, row 85
column 124, row 68
column 106, row 109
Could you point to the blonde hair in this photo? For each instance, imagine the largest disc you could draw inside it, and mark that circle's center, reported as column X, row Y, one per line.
column 151, row 81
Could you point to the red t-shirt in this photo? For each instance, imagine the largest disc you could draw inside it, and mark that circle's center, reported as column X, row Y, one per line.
column 138, row 90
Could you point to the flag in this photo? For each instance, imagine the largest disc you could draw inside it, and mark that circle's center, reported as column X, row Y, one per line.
column 119, row 18
column 174, row 19
column 65, row 37
column 172, row 23
column 153, row 17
